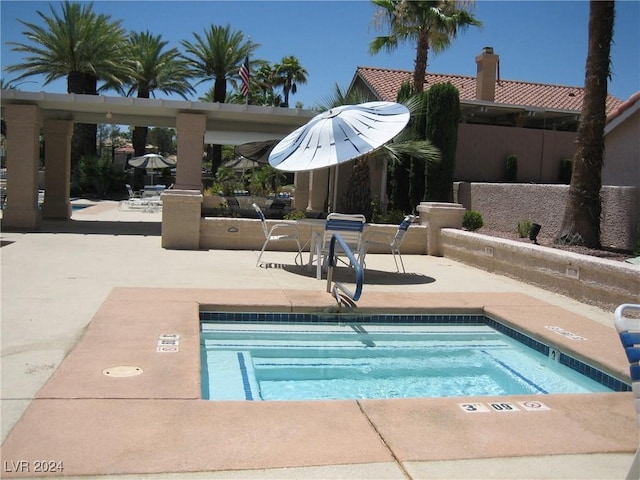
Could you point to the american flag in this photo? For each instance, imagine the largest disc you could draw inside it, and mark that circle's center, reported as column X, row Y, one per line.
column 244, row 75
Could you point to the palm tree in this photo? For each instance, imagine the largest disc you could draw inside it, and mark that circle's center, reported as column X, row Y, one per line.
column 153, row 68
column 581, row 222
column 266, row 80
column 431, row 24
column 288, row 74
column 156, row 69
column 77, row 44
column 219, row 54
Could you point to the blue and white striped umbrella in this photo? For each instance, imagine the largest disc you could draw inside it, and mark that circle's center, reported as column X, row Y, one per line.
column 151, row 161
column 338, row 135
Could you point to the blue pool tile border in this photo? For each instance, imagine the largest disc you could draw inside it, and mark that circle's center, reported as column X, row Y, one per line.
column 424, row 319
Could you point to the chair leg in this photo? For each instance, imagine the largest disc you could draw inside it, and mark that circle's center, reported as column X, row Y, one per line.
column 299, row 254
column 319, row 261
column 401, row 262
column 395, row 252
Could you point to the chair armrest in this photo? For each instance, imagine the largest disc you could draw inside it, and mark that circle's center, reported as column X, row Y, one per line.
column 287, row 226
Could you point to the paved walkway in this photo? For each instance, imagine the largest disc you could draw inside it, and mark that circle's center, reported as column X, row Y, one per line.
column 54, row 282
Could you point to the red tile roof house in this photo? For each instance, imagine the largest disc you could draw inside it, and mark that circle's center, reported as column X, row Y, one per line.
column 535, row 122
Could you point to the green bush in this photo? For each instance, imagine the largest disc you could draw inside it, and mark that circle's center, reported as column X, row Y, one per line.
column 294, row 215
column 512, row 168
column 472, row 220
column 523, row 228
column 443, row 119
column 100, row 176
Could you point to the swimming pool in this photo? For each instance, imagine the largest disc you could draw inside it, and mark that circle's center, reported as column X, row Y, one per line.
column 312, row 357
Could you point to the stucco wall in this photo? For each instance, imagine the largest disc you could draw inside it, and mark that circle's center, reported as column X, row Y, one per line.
column 246, row 234
column 622, row 153
column 587, row 279
column 503, row 205
column 482, row 151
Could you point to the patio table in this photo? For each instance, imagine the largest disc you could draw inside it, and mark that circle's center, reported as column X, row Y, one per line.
column 316, row 228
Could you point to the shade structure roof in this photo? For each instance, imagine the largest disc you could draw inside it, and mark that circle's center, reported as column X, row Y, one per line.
column 226, row 123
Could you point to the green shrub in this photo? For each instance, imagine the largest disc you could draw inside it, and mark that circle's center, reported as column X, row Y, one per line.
column 512, row 168
column 294, row 215
column 523, row 228
column 100, row 176
column 443, row 119
column 472, row 220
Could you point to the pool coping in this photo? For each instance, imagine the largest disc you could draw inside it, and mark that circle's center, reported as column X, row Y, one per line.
column 156, row 421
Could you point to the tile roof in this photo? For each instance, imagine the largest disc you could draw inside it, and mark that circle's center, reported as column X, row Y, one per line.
column 385, row 83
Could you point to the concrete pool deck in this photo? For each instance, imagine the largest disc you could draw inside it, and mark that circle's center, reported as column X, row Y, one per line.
column 84, row 296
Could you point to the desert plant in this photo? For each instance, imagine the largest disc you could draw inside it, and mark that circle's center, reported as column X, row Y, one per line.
column 472, row 220
column 512, row 168
column 523, row 228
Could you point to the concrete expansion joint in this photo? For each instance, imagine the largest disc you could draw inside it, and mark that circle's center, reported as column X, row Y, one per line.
column 384, row 442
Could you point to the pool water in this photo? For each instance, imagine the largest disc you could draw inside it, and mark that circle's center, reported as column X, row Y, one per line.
column 245, row 361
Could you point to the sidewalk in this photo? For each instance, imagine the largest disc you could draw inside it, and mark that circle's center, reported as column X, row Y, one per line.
column 54, row 282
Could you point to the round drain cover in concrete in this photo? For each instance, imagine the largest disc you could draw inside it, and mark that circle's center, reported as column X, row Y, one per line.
column 122, row 371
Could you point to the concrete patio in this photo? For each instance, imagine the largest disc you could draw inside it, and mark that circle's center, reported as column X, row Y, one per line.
column 84, row 295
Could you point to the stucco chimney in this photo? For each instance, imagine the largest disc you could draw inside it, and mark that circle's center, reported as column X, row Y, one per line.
column 486, row 78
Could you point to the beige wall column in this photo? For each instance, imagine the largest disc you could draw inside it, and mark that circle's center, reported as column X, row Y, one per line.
column 190, row 130
column 181, row 219
column 437, row 216
column 23, row 158
column 57, row 134
column 318, row 189
column 301, row 197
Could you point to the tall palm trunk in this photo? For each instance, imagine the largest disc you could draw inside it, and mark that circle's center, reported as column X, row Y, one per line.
column 420, row 70
column 581, row 222
column 83, row 141
column 139, row 141
column 219, row 95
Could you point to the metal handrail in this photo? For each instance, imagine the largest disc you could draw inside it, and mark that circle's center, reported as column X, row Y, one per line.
column 352, row 296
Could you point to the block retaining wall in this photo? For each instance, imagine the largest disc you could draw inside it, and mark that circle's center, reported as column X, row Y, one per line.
column 590, row 280
column 503, row 205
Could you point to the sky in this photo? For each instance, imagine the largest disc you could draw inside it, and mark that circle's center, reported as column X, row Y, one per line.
column 537, row 41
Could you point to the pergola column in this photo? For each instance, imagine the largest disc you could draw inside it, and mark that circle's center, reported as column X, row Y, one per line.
column 57, row 203
column 23, row 158
column 318, row 190
column 436, row 216
column 190, row 130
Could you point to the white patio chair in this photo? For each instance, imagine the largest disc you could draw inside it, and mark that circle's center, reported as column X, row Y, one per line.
column 271, row 235
column 386, row 240
column 350, row 228
column 136, row 202
column 629, row 331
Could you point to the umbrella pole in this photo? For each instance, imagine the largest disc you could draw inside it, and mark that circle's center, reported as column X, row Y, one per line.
column 335, row 187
